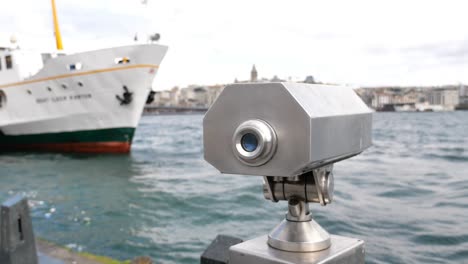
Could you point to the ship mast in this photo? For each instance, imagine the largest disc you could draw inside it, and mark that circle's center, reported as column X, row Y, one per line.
column 58, row 37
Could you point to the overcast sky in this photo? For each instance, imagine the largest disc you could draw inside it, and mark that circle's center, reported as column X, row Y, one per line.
column 212, row 41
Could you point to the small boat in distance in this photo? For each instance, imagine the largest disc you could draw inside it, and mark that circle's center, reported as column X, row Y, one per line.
column 83, row 102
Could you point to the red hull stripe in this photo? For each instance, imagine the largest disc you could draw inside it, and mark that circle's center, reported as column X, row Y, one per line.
column 83, row 147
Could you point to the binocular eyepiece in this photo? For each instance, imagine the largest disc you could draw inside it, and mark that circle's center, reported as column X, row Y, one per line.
column 254, row 142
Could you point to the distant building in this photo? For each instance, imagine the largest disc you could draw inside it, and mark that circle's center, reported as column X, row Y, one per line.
column 254, row 78
column 253, row 74
column 162, row 98
column 462, row 98
column 276, row 79
column 447, row 98
column 463, row 95
column 309, row 79
column 441, row 98
column 187, row 97
column 175, row 94
column 201, row 99
column 405, row 96
column 381, row 99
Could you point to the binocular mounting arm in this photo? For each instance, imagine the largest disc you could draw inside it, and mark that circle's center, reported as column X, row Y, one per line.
column 315, row 186
column 299, row 232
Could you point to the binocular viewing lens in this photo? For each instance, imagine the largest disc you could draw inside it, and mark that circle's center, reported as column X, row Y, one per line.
column 254, row 142
column 249, row 142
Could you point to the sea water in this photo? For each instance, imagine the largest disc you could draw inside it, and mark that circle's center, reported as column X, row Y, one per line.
column 407, row 196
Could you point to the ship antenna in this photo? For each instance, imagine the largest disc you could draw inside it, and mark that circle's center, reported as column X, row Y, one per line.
column 58, row 37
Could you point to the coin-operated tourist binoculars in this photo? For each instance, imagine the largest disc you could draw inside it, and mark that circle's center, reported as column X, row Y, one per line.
column 291, row 134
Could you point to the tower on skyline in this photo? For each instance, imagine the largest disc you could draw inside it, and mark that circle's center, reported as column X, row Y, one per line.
column 253, row 74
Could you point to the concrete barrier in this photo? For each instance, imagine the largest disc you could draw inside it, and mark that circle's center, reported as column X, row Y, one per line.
column 17, row 243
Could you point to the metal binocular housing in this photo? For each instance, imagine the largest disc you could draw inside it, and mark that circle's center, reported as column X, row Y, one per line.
column 290, row 133
column 284, row 129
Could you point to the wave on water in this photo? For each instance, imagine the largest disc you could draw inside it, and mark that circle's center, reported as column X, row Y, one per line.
column 405, row 196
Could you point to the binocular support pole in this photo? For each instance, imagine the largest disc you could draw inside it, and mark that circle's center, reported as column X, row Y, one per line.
column 298, row 232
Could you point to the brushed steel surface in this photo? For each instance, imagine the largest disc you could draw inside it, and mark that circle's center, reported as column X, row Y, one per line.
column 316, row 186
column 314, row 124
column 342, row 250
column 298, row 211
column 266, row 142
column 304, row 236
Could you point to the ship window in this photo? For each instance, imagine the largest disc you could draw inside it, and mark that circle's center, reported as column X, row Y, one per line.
column 123, row 60
column 49, row 89
column 64, row 86
column 2, row 99
column 9, row 62
column 80, row 84
column 74, row 67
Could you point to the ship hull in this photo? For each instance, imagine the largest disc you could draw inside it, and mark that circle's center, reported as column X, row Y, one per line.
column 113, row 140
column 92, row 110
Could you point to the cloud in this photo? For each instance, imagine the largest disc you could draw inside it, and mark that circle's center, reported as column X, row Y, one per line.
column 359, row 42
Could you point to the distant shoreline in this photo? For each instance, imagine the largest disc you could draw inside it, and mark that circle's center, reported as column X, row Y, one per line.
column 173, row 113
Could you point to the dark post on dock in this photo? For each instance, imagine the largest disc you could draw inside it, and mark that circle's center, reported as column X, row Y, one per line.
column 17, row 243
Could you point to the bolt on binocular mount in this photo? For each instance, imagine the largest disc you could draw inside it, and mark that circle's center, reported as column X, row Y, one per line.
column 291, row 134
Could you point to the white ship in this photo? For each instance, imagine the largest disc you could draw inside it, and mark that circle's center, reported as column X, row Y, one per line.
column 83, row 102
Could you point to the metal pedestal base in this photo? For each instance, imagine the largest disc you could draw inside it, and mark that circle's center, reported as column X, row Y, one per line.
column 305, row 236
column 342, row 250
